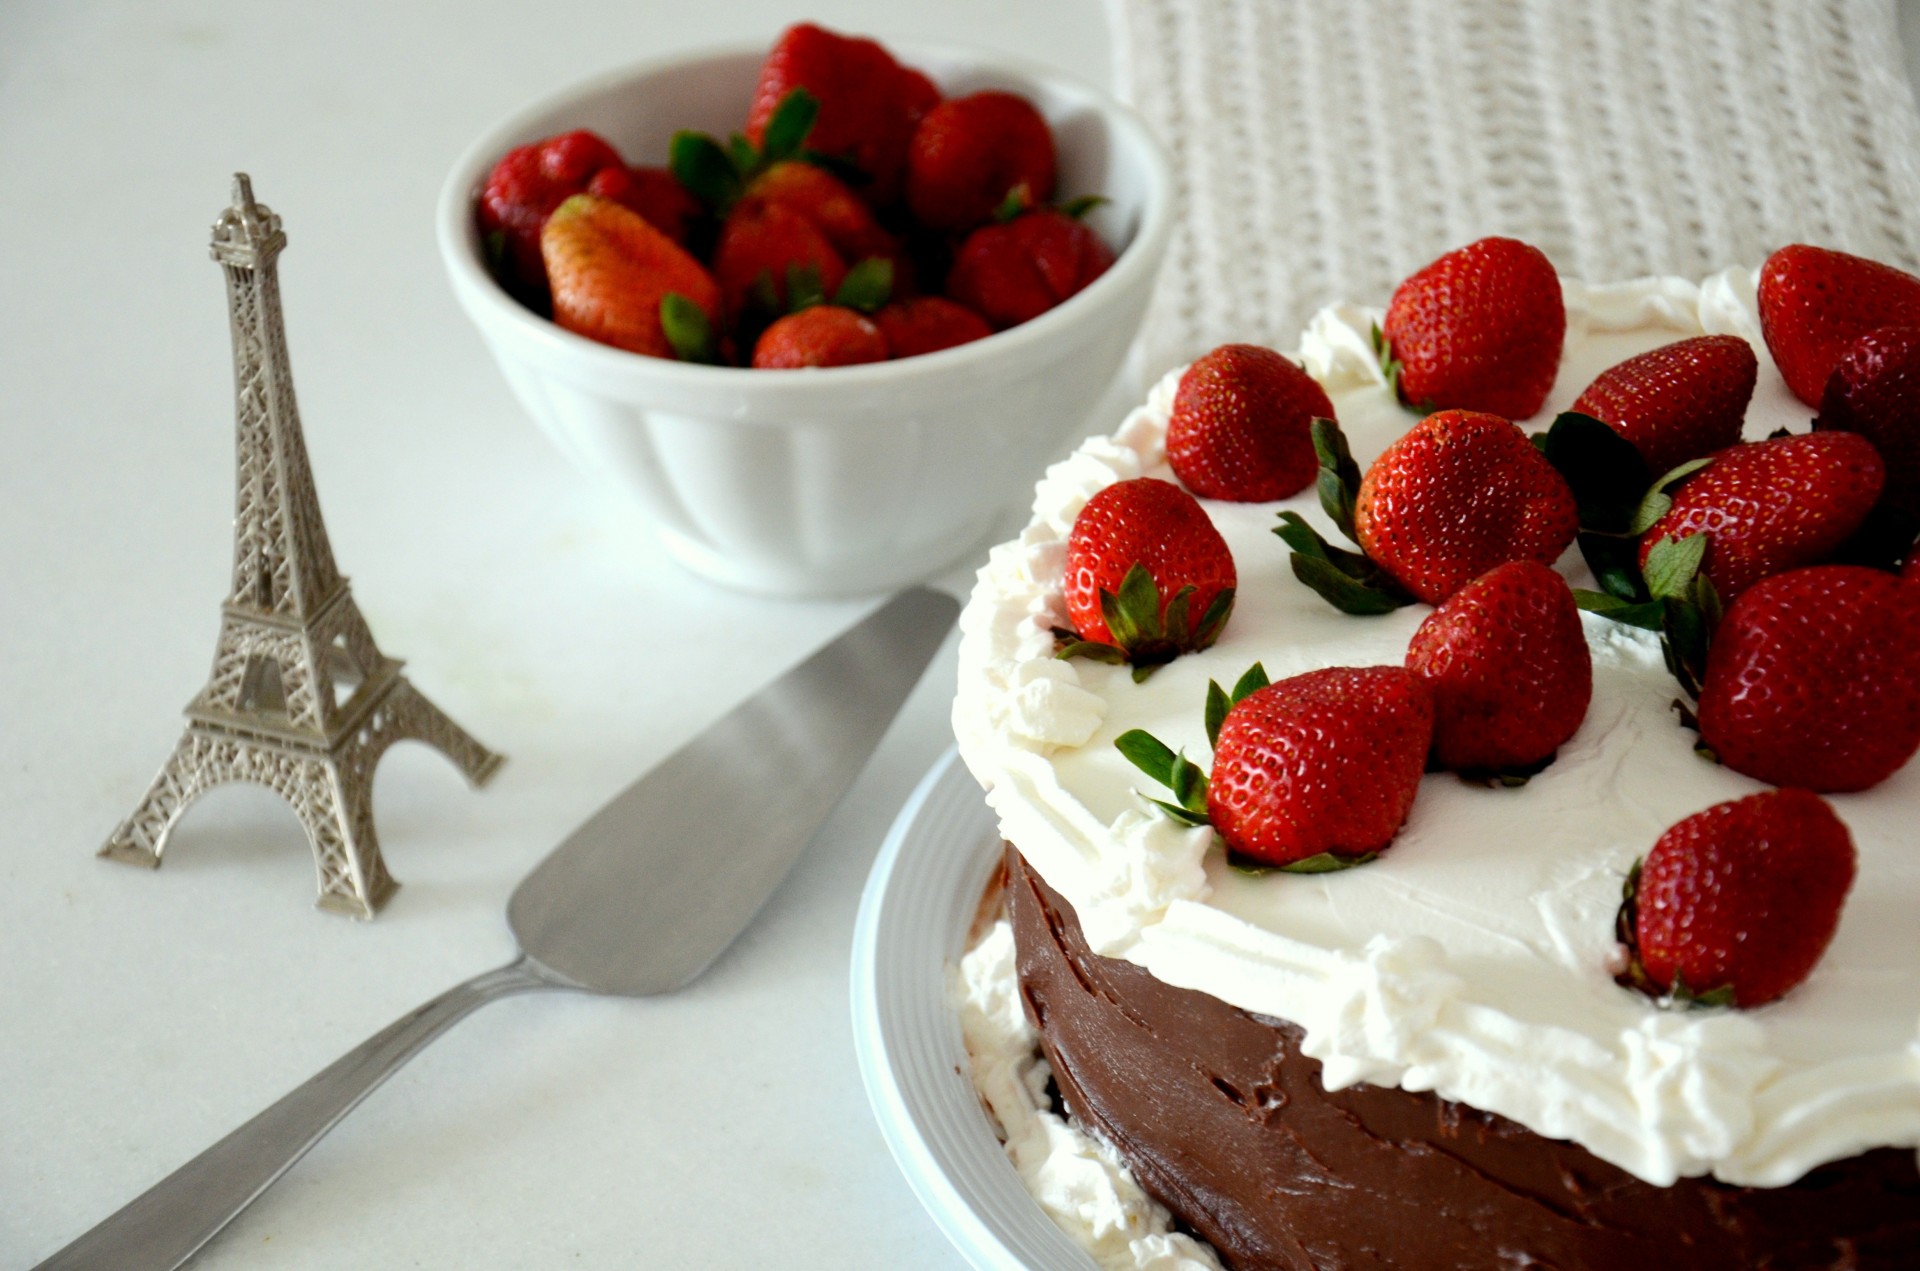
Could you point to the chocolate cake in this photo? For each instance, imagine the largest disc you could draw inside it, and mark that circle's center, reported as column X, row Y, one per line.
column 1224, row 1121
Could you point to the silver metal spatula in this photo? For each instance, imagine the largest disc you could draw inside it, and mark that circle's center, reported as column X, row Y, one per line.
column 639, row 900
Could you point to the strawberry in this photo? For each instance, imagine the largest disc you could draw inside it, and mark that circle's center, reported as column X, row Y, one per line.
column 823, row 335
column 762, row 249
column 1735, row 905
column 1814, row 303
column 927, row 324
column 1242, row 425
column 1456, row 495
column 1478, row 329
column 1326, row 762
column 1506, row 662
column 780, row 216
column 1910, row 570
column 656, row 194
column 616, row 279
column 1678, row 402
column 1768, row 506
column 1014, row 270
column 523, row 189
column 1315, row 773
column 1813, row 679
column 971, row 153
column 1875, row 391
column 869, row 103
column 1148, row 577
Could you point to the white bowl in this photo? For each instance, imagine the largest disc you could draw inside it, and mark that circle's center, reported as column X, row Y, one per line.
column 821, row 482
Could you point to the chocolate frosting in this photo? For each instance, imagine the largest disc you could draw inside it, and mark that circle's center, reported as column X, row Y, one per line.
column 1225, row 1122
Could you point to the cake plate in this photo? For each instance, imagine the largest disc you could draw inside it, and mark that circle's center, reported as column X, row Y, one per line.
column 915, row 915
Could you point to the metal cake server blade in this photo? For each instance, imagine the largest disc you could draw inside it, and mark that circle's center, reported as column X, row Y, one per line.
column 639, row 900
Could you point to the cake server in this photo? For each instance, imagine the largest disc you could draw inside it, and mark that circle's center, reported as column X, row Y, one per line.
column 638, row 900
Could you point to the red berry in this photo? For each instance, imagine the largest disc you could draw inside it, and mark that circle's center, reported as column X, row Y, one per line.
column 1679, row 402
column 761, row 242
column 1743, row 897
column 1479, row 329
column 1875, row 391
column 1769, row 506
column 524, row 188
column 824, row 335
column 1507, row 664
column 1814, row 303
column 655, row 193
column 1328, row 761
column 611, row 269
column 970, row 153
column 1160, row 527
column 1459, row 493
column 1018, row 270
column 869, row 103
column 927, row 324
column 1242, row 425
column 1813, row 679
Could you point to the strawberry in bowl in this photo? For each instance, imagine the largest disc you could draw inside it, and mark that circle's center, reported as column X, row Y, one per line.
column 806, row 481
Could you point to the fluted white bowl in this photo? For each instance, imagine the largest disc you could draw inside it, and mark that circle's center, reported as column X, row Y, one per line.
column 822, row 481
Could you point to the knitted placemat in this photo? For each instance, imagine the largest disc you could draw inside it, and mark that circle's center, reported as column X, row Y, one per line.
column 1326, row 148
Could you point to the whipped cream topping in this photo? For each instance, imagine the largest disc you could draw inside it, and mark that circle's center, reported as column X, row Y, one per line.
column 1473, row 959
column 1078, row 1179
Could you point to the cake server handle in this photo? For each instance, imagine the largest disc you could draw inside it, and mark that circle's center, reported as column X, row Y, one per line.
column 165, row 1225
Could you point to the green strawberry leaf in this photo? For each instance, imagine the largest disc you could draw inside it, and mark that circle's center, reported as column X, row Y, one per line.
column 1217, row 708
column 1145, row 635
column 1615, row 563
column 1603, row 469
column 495, row 246
column 804, row 288
column 1339, row 478
column 1326, row 863
column 1175, row 771
column 1075, row 209
column 1344, row 592
column 1219, row 701
column 1294, row 531
column 1016, row 202
column 763, row 295
column 1686, row 632
column 744, row 155
column 1647, row 615
column 1094, row 650
column 787, row 128
column 1147, row 753
column 704, row 169
column 1658, row 500
column 1686, row 998
column 1178, row 813
column 1390, row 366
column 867, row 286
column 1346, row 580
column 687, row 329
column 1672, row 564
column 1211, row 621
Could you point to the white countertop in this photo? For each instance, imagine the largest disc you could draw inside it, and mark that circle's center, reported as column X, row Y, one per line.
column 142, row 1015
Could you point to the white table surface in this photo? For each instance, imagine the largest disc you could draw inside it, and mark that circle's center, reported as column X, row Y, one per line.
column 142, row 1015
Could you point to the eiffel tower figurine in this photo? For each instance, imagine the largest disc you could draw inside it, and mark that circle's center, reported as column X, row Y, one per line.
column 301, row 699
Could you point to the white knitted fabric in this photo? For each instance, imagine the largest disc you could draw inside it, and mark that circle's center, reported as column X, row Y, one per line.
column 1327, row 148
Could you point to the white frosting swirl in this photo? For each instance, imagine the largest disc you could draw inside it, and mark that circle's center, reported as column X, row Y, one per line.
column 1472, row 959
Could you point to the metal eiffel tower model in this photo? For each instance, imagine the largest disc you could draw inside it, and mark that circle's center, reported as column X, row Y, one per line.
column 301, row 699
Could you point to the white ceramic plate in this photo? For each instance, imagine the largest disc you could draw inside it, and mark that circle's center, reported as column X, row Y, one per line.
column 914, row 916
